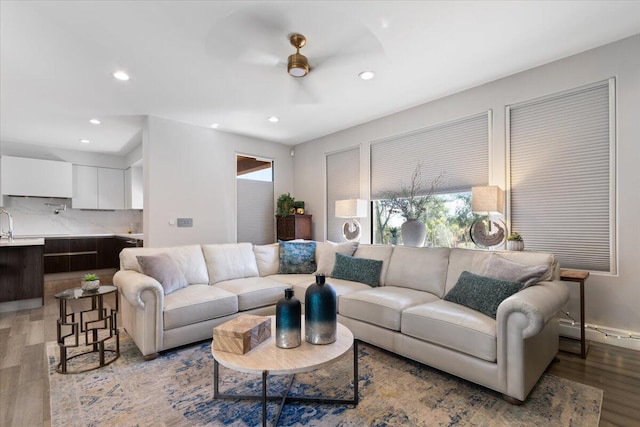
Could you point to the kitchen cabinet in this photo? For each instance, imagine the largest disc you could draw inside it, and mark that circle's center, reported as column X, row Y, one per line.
column 21, row 273
column 133, row 193
column 23, row 176
column 97, row 188
column 66, row 254
column 294, row 227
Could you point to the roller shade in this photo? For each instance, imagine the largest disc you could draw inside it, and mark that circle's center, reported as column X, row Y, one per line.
column 343, row 182
column 459, row 149
column 561, row 176
column 255, row 212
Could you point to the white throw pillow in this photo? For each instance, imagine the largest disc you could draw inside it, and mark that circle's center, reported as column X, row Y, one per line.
column 326, row 254
column 268, row 258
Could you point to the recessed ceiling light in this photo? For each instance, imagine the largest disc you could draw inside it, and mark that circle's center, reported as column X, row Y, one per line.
column 214, row 125
column 85, row 141
column 366, row 75
column 121, row 75
column 94, row 121
column 273, row 119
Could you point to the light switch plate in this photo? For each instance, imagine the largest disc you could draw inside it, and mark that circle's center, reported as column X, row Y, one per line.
column 185, row 222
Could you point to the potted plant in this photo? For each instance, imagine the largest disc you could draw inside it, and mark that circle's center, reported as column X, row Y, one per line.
column 285, row 206
column 393, row 232
column 90, row 282
column 411, row 202
column 515, row 242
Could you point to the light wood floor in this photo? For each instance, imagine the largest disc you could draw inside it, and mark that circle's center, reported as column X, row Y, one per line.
column 24, row 394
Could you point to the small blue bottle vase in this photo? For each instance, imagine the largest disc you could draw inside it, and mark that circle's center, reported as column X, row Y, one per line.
column 288, row 321
column 320, row 312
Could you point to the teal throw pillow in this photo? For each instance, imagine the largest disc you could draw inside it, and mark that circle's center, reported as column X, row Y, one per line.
column 480, row 293
column 297, row 257
column 361, row 270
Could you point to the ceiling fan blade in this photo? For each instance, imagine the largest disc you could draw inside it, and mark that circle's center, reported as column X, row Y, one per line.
column 358, row 45
column 249, row 34
column 301, row 92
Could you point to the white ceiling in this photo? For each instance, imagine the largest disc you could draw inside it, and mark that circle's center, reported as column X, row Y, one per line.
column 202, row 62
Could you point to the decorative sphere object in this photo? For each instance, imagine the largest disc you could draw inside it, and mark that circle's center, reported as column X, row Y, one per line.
column 288, row 321
column 320, row 312
column 90, row 285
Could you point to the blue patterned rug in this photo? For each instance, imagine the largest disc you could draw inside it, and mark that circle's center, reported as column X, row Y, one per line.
column 176, row 390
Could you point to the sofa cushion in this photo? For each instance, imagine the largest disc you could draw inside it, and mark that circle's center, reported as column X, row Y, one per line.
column 453, row 326
column 381, row 306
column 326, row 254
column 294, row 279
column 422, row 269
column 481, row 293
column 471, row 260
column 535, row 258
column 165, row 270
column 341, row 287
column 197, row 303
column 189, row 258
column 230, row 261
column 504, row 269
column 267, row 258
column 297, row 258
column 361, row 270
column 254, row 292
column 379, row 252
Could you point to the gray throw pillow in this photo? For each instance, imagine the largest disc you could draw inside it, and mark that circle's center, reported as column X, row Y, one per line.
column 481, row 293
column 297, row 257
column 361, row 270
column 504, row 269
column 165, row 270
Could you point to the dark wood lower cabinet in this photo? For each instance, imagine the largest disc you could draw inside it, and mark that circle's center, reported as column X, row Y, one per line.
column 294, row 227
column 64, row 254
column 21, row 273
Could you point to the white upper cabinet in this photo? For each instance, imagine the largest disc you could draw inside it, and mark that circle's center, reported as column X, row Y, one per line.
column 22, row 176
column 133, row 193
column 85, row 187
column 110, row 188
column 97, row 188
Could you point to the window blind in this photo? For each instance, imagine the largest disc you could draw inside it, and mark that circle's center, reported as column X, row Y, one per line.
column 458, row 149
column 561, row 176
column 255, row 211
column 343, row 182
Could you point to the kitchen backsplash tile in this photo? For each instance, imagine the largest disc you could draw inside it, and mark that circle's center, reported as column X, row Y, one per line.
column 31, row 216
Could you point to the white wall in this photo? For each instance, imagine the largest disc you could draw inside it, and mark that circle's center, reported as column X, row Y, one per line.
column 190, row 172
column 611, row 301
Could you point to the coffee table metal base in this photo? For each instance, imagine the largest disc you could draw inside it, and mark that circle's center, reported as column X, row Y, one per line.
column 285, row 398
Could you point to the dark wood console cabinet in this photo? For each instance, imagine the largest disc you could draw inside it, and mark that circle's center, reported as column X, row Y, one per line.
column 294, row 227
column 21, row 274
column 65, row 254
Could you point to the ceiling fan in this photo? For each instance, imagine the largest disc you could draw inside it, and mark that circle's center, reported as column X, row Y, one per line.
column 298, row 65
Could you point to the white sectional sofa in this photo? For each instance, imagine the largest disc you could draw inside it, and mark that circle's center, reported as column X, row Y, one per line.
column 405, row 314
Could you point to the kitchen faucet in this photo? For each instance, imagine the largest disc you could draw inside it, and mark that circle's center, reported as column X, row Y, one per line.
column 9, row 233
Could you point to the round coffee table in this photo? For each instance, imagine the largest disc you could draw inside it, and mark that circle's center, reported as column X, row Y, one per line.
column 268, row 359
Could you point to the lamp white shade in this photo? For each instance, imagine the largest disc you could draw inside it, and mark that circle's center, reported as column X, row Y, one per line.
column 487, row 199
column 352, row 208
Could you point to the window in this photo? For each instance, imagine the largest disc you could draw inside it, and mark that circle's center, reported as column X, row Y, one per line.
column 343, row 182
column 458, row 151
column 562, row 175
column 255, row 210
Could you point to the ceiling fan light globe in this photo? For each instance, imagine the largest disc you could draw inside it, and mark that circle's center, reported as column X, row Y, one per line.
column 298, row 65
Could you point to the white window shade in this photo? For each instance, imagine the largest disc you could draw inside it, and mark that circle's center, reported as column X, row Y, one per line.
column 458, row 149
column 343, row 183
column 562, row 175
column 255, row 211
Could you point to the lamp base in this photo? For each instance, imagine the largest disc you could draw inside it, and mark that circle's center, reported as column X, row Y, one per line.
column 487, row 233
column 351, row 230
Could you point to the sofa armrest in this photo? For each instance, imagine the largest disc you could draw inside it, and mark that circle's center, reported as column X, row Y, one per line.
column 132, row 284
column 538, row 303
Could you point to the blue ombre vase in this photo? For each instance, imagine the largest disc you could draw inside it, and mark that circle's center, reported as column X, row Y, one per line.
column 320, row 313
column 288, row 321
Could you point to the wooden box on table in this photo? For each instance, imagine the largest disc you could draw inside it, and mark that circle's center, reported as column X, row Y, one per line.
column 241, row 334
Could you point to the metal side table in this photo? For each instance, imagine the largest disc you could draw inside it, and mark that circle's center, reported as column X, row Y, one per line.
column 98, row 324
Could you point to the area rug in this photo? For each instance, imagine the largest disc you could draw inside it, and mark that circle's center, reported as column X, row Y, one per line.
column 176, row 390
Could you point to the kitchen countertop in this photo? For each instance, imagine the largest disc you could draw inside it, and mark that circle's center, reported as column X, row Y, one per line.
column 22, row 242
column 137, row 236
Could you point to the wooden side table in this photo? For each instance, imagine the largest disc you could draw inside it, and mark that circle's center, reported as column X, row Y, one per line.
column 580, row 277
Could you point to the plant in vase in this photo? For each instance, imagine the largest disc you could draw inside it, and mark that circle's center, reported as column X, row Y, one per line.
column 515, row 242
column 411, row 202
column 285, row 205
column 393, row 232
column 90, row 282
